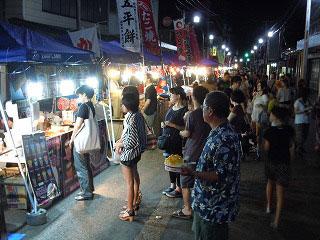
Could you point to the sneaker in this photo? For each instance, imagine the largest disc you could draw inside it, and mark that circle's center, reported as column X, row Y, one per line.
column 174, row 194
column 169, row 189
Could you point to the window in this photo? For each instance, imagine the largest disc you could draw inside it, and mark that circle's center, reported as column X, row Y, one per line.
column 91, row 10
column 113, row 6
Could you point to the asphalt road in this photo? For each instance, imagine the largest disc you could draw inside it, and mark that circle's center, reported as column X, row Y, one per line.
column 98, row 219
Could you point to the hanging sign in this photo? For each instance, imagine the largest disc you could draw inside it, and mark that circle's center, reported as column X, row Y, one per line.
column 148, row 28
column 129, row 25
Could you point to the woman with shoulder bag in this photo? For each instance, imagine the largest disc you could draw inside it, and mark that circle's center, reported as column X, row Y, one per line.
column 85, row 138
column 173, row 124
column 130, row 147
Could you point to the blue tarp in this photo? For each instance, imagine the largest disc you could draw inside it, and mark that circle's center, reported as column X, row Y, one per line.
column 19, row 44
column 116, row 54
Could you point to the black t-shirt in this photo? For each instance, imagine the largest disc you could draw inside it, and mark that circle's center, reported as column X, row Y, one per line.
column 199, row 131
column 151, row 94
column 280, row 139
column 83, row 111
column 175, row 117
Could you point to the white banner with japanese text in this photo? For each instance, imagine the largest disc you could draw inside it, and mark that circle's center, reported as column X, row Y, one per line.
column 86, row 39
column 130, row 37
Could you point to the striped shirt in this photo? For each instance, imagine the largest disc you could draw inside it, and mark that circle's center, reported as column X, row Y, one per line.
column 134, row 136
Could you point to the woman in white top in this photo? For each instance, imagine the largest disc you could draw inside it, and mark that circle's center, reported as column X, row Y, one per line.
column 284, row 95
column 302, row 110
column 260, row 100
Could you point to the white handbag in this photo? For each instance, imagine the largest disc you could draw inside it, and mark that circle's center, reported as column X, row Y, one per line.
column 87, row 138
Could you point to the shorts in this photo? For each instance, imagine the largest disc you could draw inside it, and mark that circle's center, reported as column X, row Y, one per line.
column 204, row 230
column 279, row 173
column 132, row 162
column 187, row 181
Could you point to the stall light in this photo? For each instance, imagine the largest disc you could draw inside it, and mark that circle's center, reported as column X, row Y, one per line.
column 252, row 52
column 140, row 76
column 34, row 89
column 236, row 66
column 236, row 60
column 227, row 49
column 229, row 54
column 66, row 87
column 92, row 82
column 181, row 71
column 155, row 75
column 202, row 71
column 255, row 47
column 260, row 40
column 126, row 75
column 223, row 46
column 248, row 59
column 113, row 73
column 241, row 60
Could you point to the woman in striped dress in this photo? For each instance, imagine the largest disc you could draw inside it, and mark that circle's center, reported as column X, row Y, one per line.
column 130, row 147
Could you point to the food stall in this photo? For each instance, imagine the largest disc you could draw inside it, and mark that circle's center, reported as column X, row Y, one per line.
column 41, row 76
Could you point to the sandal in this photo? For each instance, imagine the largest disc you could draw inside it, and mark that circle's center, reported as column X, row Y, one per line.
column 127, row 215
column 181, row 215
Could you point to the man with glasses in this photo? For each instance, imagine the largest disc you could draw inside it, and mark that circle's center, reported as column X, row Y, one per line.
column 216, row 189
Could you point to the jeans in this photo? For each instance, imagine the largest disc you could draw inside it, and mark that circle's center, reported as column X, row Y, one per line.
column 204, row 230
column 84, row 172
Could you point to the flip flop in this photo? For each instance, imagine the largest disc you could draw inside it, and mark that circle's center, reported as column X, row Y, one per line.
column 181, row 215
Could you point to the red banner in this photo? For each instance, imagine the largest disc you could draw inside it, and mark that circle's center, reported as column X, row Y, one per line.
column 196, row 56
column 148, row 29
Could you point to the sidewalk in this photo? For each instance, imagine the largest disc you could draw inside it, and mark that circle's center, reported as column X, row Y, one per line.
column 98, row 219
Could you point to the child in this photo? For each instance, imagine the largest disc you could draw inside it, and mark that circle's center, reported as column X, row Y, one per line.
column 279, row 146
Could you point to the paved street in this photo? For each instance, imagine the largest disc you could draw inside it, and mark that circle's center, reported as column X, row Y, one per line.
column 98, row 219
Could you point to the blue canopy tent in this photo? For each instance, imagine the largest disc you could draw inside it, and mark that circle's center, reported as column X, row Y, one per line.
column 116, row 54
column 19, row 44
column 209, row 62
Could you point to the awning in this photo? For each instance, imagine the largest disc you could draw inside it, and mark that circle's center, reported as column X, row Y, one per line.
column 116, row 54
column 18, row 44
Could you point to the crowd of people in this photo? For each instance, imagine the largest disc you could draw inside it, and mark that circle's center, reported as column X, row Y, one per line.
column 213, row 130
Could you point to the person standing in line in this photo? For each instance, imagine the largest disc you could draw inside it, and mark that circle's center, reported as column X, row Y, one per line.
column 173, row 124
column 196, row 132
column 150, row 106
column 216, row 190
column 302, row 110
column 279, row 146
column 82, row 161
column 130, row 147
column 284, row 95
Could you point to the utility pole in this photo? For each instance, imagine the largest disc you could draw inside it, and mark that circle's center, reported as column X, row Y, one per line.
column 306, row 41
column 78, row 12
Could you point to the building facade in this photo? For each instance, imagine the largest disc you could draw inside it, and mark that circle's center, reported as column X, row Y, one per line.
column 62, row 13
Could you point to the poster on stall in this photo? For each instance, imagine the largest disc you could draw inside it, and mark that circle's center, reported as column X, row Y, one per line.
column 41, row 173
column 130, row 37
column 86, row 39
column 148, row 28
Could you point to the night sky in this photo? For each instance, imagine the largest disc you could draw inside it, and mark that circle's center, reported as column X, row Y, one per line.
column 242, row 22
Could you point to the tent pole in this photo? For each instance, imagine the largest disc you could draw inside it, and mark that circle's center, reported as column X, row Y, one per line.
column 5, row 120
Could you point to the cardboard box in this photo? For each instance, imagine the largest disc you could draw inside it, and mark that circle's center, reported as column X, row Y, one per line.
column 16, row 195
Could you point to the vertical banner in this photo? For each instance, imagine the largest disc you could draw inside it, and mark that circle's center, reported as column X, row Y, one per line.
column 129, row 25
column 181, row 36
column 41, row 173
column 196, row 56
column 86, row 39
column 148, row 28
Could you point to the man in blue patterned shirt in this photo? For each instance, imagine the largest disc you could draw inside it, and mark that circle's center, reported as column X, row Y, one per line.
column 216, row 189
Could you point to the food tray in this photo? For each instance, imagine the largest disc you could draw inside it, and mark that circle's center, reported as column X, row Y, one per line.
column 172, row 169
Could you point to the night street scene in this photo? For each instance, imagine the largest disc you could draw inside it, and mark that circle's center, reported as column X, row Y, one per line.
column 159, row 120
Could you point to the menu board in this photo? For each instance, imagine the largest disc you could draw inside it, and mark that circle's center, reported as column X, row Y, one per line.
column 40, row 170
